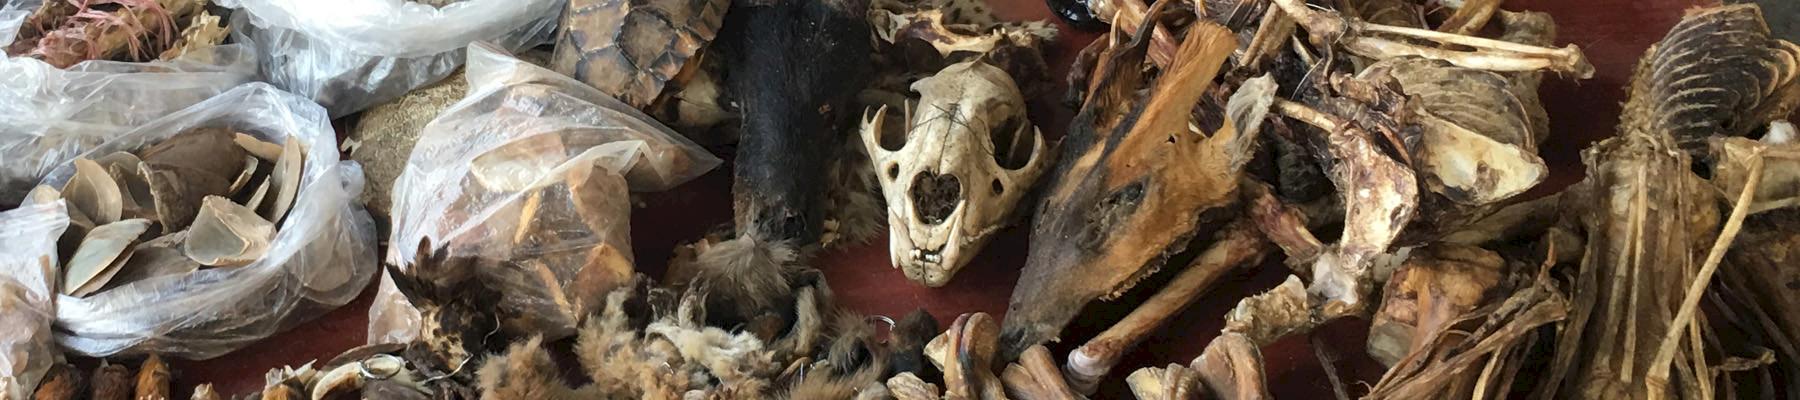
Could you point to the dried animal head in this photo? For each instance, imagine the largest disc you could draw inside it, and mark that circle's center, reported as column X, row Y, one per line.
column 966, row 157
column 1128, row 195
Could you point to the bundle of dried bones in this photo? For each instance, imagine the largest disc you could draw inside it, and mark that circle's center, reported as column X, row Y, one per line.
column 66, row 32
column 208, row 197
column 1429, row 135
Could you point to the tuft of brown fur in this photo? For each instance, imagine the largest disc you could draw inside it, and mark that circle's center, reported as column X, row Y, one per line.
column 525, row 371
column 744, row 278
column 854, row 209
column 111, row 382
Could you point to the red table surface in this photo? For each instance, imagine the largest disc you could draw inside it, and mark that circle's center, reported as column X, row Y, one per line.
column 1613, row 34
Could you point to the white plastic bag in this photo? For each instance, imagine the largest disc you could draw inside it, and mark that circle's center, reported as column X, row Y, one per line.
column 322, row 257
column 27, row 275
column 349, row 55
column 544, row 217
column 48, row 115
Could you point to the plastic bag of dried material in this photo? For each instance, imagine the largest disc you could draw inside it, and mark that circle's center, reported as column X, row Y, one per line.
column 530, row 175
column 348, row 55
column 320, row 255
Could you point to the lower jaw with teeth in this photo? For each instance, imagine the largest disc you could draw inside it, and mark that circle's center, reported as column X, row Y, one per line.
column 925, row 267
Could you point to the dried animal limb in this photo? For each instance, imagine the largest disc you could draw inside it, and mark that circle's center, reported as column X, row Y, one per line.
column 965, row 353
column 1035, row 377
column 1370, row 40
column 1238, row 245
column 1283, row 225
column 1174, row 382
column 1231, row 367
column 1129, row 196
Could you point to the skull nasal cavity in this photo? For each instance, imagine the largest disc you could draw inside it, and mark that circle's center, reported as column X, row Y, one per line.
column 935, row 196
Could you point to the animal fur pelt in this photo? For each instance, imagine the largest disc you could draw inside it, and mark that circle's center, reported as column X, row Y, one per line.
column 675, row 356
column 793, row 66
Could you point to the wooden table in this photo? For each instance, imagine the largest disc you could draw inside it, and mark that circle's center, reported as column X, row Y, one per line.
column 1613, row 33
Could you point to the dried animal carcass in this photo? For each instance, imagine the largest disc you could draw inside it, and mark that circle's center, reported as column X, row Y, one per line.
column 631, row 48
column 1757, row 280
column 962, row 163
column 1652, row 225
column 1134, row 186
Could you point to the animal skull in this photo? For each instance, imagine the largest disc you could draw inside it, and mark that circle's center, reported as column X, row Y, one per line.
column 952, row 177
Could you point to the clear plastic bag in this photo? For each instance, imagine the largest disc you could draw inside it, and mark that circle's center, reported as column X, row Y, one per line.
column 349, row 55
column 27, row 255
column 48, row 115
column 533, row 171
column 322, row 256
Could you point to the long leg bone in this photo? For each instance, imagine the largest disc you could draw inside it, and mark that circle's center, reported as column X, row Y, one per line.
column 1238, row 245
column 1327, row 28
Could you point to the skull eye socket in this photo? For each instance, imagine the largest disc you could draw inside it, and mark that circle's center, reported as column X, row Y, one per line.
column 935, row 196
column 1012, row 142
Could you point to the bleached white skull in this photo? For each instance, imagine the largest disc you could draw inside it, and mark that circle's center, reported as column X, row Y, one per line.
column 953, row 176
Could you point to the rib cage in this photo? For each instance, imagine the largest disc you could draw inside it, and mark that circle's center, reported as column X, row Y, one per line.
column 1717, row 72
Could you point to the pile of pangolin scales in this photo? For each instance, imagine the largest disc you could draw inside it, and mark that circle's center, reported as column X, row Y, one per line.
column 1381, row 149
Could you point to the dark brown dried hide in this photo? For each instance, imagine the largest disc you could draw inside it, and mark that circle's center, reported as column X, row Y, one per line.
column 1127, row 194
column 794, row 67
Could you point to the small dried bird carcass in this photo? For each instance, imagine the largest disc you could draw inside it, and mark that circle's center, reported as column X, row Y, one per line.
column 206, row 238
column 530, row 173
column 348, row 55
